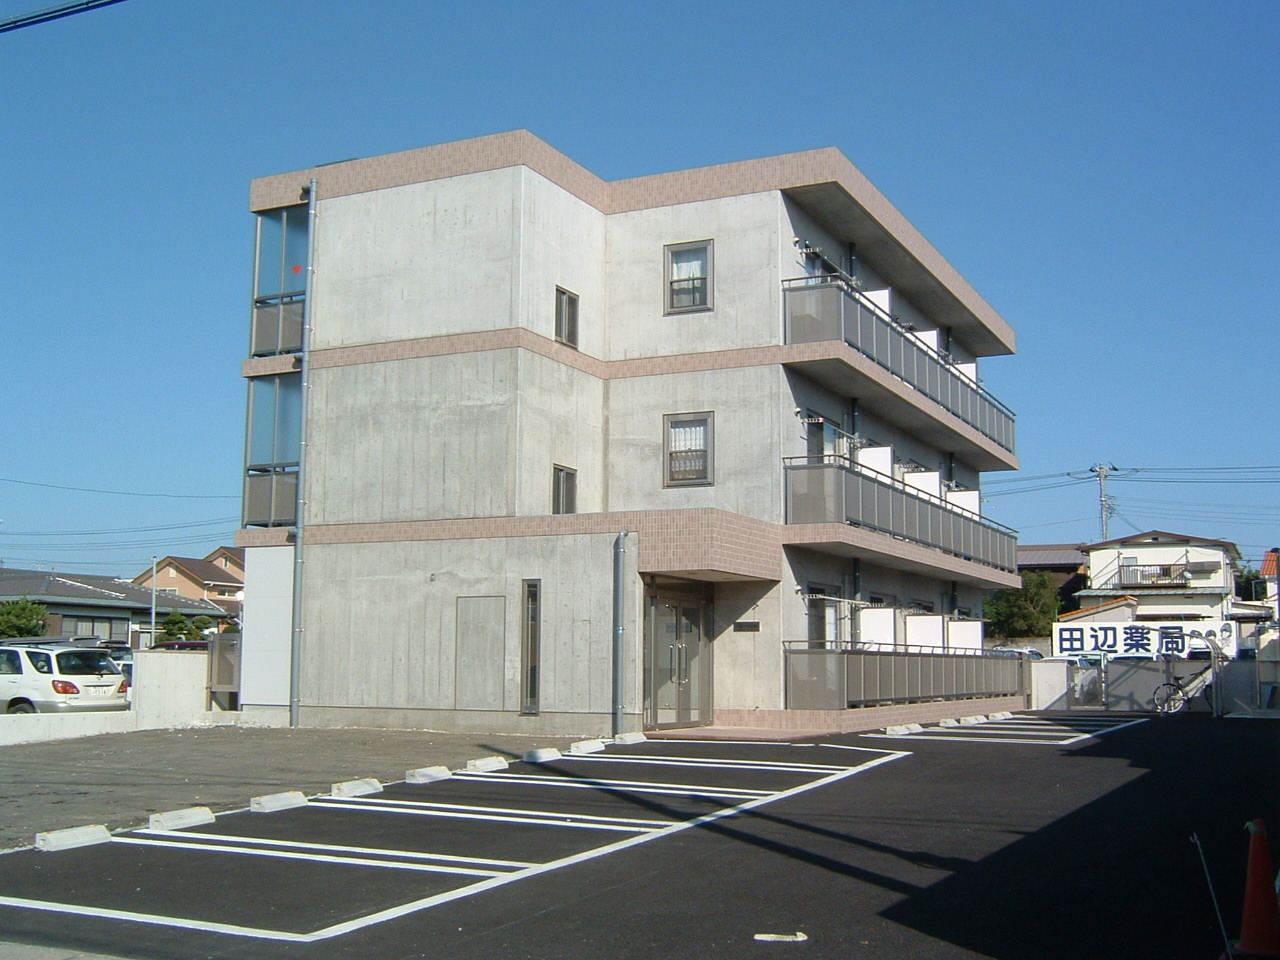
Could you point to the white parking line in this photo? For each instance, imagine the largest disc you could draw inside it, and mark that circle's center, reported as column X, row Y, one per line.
column 1007, row 732
column 312, row 857
column 338, row 848
column 425, row 903
column 630, row 786
column 506, row 816
column 469, row 808
column 762, row 765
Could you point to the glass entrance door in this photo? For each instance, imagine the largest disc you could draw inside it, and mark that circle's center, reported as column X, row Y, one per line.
column 678, row 661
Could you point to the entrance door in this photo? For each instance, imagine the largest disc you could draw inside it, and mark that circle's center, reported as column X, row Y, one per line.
column 678, row 664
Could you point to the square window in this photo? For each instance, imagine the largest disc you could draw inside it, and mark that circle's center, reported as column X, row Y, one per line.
column 688, row 449
column 566, row 317
column 564, row 490
column 688, row 277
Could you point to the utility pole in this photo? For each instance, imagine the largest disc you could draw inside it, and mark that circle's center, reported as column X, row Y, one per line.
column 1104, row 504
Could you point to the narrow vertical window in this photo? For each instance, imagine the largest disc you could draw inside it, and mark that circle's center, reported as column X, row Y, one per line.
column 530, row 646
column 564, row 490
column 566, row 317
column 688, row 452
column 688, row 277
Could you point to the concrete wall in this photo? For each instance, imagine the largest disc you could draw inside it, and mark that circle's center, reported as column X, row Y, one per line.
column 416, row 261
column 561, row 417
column 747, row 465
column 267, row 626
column 1050, row 685
column 748, row 665
column 746, row 277
column 170, row 690
column 408, row 439
column 388, row 643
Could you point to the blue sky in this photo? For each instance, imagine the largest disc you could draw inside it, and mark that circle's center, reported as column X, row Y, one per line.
column 1104, row 173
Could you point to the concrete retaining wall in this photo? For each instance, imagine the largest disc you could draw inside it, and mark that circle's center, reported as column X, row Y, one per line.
column 170, row 690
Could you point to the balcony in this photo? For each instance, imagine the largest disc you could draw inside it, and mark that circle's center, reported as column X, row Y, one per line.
column 834, row 490
column 828, row 308
column 271, row 498
column 277, row 326
column 1150, row 575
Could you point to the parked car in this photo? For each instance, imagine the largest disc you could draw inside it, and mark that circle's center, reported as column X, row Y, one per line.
column 41, row 677
column 123, row 656
column 1076, row 660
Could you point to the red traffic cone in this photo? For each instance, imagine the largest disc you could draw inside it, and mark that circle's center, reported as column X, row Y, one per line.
column 1260, row 928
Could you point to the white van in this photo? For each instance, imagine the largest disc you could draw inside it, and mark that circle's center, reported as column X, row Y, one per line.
column 37, row 676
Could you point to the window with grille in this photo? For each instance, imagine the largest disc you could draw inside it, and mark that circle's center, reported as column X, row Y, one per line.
column 688, row 452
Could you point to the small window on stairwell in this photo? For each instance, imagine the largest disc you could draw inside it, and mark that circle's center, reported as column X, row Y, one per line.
column 564, row 490
column 566, row 317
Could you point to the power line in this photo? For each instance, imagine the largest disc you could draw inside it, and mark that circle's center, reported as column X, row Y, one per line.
column 1045, row 486
column 118, row 493
column 999, row 481
column 52, row 13
column 124, row 544
column 103, row 533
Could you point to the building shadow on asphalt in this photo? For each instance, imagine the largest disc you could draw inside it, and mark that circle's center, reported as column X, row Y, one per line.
column 1120, row 876
column 1116, row 877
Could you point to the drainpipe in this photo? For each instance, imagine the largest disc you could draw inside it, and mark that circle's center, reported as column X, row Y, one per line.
column 295, row 637
column 619, row 585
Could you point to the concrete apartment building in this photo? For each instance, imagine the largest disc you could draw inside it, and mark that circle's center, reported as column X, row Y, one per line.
column 760, row 372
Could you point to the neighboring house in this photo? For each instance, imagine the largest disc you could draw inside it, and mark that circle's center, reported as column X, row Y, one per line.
column 1270, row 576
column 733, row 408
column 83, row 604
column 1066, row 562
column 219, row 577
column 1181, row 588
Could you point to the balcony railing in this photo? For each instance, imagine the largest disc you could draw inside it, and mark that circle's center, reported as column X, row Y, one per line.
column 829, row 490
column 839, row 679
column 1151, row 575
column 828, row 308
column 277, row 326
column 271, row 498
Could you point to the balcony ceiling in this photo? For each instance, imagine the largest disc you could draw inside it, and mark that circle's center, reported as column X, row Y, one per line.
column 842, row 540
column 974, row 324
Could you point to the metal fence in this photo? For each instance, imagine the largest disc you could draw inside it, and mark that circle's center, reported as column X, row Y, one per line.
column 826, row 679
column 826, row 308
column 832, row 493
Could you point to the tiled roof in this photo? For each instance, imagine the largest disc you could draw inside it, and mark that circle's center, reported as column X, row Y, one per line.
column 206, row 571
column 1090, row 611
column 1050, row 555
column 85, row 589
column 1269, row 563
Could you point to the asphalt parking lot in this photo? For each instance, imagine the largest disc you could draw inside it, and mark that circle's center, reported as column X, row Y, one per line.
column 1032, row 837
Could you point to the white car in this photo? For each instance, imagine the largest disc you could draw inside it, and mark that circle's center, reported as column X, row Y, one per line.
column 42, row 677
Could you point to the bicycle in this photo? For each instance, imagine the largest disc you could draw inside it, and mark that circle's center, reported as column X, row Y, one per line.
column 1171, row 697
